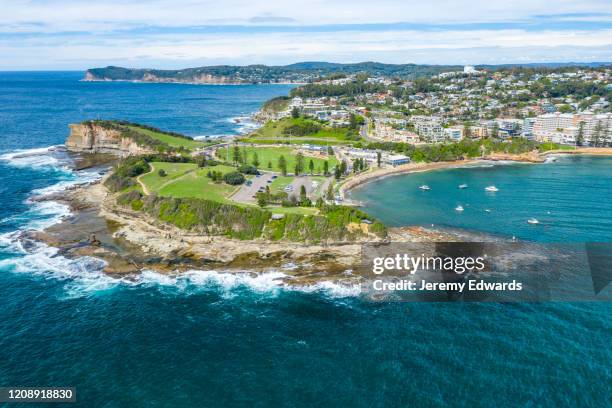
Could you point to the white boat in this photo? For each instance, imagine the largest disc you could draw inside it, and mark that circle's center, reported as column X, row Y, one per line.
column 491, row 188
column 424, row 187
column 533, row 221
column 487, row 210
column 463, row 186
column 458, row 208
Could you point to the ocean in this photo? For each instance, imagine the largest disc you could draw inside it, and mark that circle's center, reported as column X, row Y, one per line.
column 210, row 338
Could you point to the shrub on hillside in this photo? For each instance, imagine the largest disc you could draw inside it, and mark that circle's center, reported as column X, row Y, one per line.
column 234, row 178
column 248, row 169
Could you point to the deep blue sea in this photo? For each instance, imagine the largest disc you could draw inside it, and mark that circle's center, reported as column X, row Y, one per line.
column 215, row 339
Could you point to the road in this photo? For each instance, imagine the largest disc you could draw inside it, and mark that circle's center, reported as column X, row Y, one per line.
column 245, row 193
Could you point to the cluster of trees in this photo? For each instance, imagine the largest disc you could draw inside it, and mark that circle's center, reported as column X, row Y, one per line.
column 359, row 165
column 300, row 165
column 215, row 176
column 356, row 87
column 302, row 127
column 456, row 151
column 124, row 173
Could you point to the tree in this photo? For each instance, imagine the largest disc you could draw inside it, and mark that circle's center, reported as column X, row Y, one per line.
column 337, row 173
column 233, row 178
column 330, row 192
column 330, row 151
column 302, row 192
column 162, row 173
column 201, row 161
column 343, row 167
column 355, row 165
column 261, row 200
column 495, row 131
column 311, row 166
column 270, row 164
column 325, row 168
column 236, row 154
column 282, row 165
column 596, row 141
column 255, row 160
column 299, row 163
column 467, row 129
column 580, row 136
column 244, row 156
column 295, row 113
column 378, row 158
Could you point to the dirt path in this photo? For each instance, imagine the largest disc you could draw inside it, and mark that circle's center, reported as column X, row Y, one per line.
column 143, row 185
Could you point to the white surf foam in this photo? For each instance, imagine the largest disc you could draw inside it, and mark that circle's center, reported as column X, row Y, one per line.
column 34, row 158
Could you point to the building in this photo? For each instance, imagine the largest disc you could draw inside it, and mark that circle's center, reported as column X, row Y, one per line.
column 429, row 128
column 565, row 128
column 528, row 124
column 396, row 159
column 454, row 133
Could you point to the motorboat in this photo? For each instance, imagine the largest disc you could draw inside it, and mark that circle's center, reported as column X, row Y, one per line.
column 491, row 188
column 463, row 186
column 424, row 187
column 458, row 208
column 533, row 221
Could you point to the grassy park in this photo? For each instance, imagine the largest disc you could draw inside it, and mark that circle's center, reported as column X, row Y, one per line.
column 300, row 131
column 187, row 180
column 271, row 155
column 169, row 139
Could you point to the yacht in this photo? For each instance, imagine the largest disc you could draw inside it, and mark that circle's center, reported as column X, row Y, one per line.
column 463, row 186
column 424, row 187
column 533, row 221
column 487, row 210
column 458, row 208
column 491, row 188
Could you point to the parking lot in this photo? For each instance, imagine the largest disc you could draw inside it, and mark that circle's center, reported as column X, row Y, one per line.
column 247, row 192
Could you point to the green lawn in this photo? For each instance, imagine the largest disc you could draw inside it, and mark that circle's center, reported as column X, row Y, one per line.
column 274, row 131
column 153, row 181
column 293, row 210
column 170, row 140
column 187, row 180
column 272, row 154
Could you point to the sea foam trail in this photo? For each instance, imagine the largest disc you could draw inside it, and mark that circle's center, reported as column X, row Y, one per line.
column 34, row 158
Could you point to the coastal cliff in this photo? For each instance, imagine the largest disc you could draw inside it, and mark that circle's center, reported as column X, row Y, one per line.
column 90, row 137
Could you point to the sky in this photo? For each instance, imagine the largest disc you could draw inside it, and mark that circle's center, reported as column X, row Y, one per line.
column 76, row 34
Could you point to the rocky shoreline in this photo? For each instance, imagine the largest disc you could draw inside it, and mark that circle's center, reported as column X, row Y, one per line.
column 130, row 242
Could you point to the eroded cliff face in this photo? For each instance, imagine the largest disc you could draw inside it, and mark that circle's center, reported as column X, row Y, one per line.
column 91, row 138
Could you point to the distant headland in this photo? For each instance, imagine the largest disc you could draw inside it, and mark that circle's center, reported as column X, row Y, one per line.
column 298, row 73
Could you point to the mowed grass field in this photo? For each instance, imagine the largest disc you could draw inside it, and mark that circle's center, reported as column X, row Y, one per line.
column 274, row 132
column 187, row 180
column 170, row 140
column 271, row 155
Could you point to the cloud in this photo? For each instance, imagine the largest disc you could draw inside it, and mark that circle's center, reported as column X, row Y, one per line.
column 270, row 19
column 71, row 34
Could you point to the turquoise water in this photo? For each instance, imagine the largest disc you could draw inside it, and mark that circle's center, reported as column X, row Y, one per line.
column 571, row 197
column 216, row 339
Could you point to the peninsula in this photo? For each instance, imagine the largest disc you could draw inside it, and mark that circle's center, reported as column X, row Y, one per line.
column 279, row 194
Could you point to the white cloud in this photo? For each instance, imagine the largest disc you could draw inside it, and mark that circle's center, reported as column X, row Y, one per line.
column 70, row 34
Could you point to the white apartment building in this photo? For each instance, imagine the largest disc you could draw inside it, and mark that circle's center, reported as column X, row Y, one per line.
column 429, row 127
column 564, row 127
